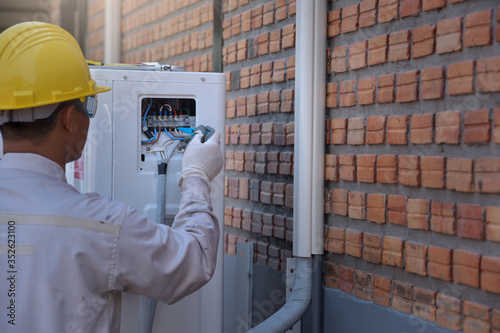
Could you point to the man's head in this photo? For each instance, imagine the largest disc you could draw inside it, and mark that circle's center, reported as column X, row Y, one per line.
column 46, row 91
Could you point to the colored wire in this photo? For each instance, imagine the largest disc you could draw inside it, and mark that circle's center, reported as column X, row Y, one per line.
column 152, row 139
column 172, row 137
column 146, row 114
column 188, row 113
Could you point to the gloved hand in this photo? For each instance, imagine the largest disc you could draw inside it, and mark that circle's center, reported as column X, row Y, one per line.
column 202, row 159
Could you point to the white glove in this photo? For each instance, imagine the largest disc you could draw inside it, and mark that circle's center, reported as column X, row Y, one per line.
column 203, row 160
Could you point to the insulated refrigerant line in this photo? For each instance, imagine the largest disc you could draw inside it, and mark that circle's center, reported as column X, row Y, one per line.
column 160, row 219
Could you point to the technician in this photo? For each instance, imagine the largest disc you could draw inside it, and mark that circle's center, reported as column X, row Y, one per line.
column 65, row 257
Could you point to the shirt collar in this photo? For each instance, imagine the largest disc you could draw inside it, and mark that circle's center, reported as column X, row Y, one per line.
column 34, row 163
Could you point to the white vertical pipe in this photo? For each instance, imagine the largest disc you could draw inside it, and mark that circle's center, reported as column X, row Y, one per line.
column 303, row 129
column 112, row 31
column 318, row 131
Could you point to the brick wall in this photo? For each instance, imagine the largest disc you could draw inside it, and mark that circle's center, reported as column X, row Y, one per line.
column 95, row 30
column 176, row 32
column 259, row 61
column 413, row 163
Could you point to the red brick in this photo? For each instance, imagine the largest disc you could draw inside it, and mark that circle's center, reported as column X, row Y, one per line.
column 347, row 167
column 488, row 75
column 363, row 285
column 339, row 59
column 424, row 41
column 290, row 68
column 381, row 291
column 477, row 311
column 448, row 127
column 340, row 201
column 366, row 91
column 392, row 254
column 288, row 39
column 330, row 275
column 493, row 223
column 415, row 258
column 487, row 175
column 334, row 22
column 409, row 7
column 478, row 29
column 466, row 268
column 346, row 283
column 460, row 78
column 275, row 41
column 336, row 238
column 433, row 4
column 490, row 275
column 472, row 325
column 407, row 87
column 422, row 128
column 443, row 217
column 448, row 303
column 470, row 221
column 439, row 263
column 257, row 17
column 331, row 95
column 347, row 96
column 375, row 207
column 350, row 18
column 357, row 205
column 356, row 131
column 372, row 248
column 366, row 168
column 396, row 209
column 385, row 86
column 448, row 319
column 449, row 35
column 497, row 30
column 375, row 130
column 418, row 214
column 399, row 45
column 353, row 243
column 409, row 170
column 459, row 175
column 388, row 10
column 268, row 17
column 433, row 171
column 331, row 168
column 339, row 131
column 477, row 126
column 432, row 82
column 496, row 124
column 357, row 58
column 387, row 169
column 401, row 299
column 367, row 13
column 424, row 306
column 397, row 130
column 377, row 50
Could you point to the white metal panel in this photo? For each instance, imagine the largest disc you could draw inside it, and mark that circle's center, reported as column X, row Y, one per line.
column 113, row 167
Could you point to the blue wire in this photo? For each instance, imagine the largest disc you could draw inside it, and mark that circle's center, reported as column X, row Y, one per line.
column 152, row 139
column 146, row 114
column 172, row 136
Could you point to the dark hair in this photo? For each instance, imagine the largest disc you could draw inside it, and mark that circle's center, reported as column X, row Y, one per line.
column 35, row 131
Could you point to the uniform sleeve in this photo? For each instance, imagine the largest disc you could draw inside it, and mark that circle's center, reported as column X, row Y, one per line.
column 166, row 263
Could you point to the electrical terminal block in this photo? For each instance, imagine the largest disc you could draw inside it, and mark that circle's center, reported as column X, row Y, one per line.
column 167, row 121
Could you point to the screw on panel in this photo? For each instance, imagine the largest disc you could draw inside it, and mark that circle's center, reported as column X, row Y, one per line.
column 148, row 148
column 125, row 77
column 202, row 79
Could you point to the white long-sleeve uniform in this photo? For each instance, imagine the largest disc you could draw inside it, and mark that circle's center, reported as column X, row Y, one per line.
column 75, row 253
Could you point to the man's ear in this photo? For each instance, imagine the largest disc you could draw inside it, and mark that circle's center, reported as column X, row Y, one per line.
column 68, row 118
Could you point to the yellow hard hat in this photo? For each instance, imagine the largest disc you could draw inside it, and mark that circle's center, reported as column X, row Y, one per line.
column 42, row 64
